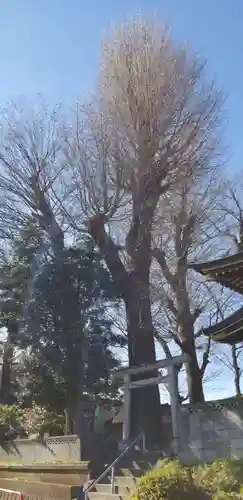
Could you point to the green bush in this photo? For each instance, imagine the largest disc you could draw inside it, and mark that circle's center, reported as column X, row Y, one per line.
column 169, row 481
column 10, row 415
column 226, row 495
column 38, row 420
column 221, row 475
column 10, row 421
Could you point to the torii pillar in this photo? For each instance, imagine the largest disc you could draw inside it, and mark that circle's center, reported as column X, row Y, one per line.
column 171, row 382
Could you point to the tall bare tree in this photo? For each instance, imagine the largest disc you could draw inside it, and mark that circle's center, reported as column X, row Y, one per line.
column 32, row 191
column 187, row 229
column 232, row 230
column 155, row 120
column 231, row 357
column 232, row 210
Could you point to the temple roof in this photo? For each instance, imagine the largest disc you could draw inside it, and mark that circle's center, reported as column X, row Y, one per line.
column 228, row 331
column 228, row 271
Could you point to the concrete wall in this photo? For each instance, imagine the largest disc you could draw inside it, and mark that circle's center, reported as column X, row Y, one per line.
column 212, row 430
column 74, row 474
column 51, row 449
column 208, row 431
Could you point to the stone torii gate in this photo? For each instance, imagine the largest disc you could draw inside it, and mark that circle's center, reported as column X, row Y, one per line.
column 170, row 380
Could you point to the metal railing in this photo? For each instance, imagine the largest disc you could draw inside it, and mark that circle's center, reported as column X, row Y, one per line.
column 112, row 466
column 11, row 494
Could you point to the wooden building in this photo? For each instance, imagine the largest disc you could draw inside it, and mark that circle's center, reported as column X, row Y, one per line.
column 227, row 271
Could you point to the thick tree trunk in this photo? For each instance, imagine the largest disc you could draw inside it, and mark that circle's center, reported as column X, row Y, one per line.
column 6, row 395
column 134, row 287
column 146, row 412
column 193, row 371
column 145, row 402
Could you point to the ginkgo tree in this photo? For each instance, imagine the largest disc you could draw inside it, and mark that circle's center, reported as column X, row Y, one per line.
column 156, row 119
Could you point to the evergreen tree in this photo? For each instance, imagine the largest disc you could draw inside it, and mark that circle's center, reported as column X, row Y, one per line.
column 68, row 353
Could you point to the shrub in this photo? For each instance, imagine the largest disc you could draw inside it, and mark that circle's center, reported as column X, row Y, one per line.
column 38, row 420
column 226, row 495
column 221, row 475
column 10, row 415
column 169, row 481
column 10, row 421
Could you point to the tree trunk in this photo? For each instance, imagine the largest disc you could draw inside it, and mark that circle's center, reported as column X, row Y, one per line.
column 186, row 335
column 82, row 428
column 194, row 376
column 145, row 402
column 134, row 288
column 236, row 371
column 6, row 395
column 69, row 424
column 146, row 411
column 237, row 385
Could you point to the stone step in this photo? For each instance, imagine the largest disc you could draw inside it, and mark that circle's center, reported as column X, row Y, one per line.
column 126, row 477
column 129, row 481
column 119, row 489
column 140, row 462
column 131, row 472
column 105, row 496
column 133, row 469
column 123, row 486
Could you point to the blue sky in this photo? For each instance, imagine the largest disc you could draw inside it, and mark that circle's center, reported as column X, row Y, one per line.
column 52, row 47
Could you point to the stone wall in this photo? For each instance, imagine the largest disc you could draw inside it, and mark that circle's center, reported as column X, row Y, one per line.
column 51, row 449
column 212, row 430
